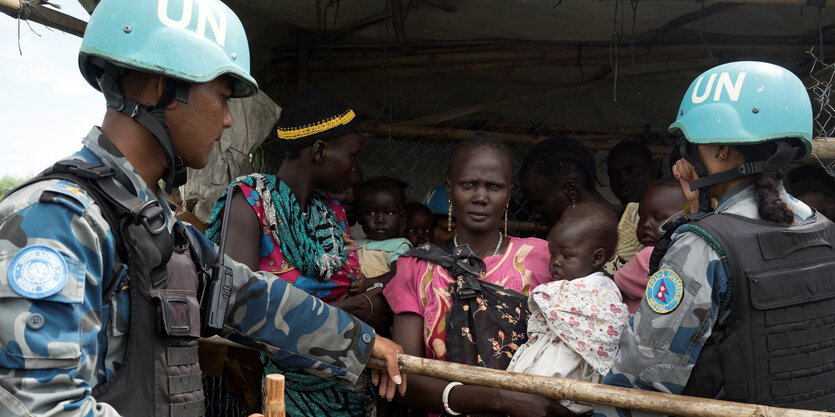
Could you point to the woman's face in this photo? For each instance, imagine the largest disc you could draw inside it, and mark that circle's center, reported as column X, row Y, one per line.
column 339, row 158
column 479, row 187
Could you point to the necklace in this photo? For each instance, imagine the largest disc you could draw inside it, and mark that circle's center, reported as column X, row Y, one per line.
column 495, row 251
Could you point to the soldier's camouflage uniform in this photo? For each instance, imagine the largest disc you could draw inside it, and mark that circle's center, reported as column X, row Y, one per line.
column 54, row 351
column 658, row 351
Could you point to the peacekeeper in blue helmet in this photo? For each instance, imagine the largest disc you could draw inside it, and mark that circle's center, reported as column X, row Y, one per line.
column 740, row 304
column 103, row 292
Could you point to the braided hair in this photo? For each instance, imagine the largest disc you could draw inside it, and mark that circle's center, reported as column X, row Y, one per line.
column 766, row 184
column 558, row 158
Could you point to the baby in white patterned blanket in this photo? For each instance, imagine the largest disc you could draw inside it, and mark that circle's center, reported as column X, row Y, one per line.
column 576, row 320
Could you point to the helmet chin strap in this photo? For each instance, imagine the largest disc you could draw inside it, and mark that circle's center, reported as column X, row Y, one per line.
column 150, row 117
column 779, row 159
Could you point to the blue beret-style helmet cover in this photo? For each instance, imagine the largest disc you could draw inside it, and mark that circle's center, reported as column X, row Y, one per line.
column 192, row 40
column 437, row 201
column 745, row 102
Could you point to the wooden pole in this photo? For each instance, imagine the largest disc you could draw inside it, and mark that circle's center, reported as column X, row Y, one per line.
column 44, row 16
column 574, row 390
column 274, row 399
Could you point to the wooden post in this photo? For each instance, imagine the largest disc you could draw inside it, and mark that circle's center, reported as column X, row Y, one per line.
column 570, row 389
column 274, row 398
column 44, row 16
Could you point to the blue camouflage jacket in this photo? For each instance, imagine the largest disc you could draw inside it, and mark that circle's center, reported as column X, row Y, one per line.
column 59, row 339
column 658, row 351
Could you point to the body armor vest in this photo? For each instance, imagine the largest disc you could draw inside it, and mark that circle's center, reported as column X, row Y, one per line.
column 775, row 343
column 160, row 375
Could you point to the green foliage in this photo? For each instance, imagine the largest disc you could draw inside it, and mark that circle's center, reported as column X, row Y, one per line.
column 9, row 182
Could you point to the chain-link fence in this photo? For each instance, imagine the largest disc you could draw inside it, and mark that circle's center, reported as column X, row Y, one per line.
column 412, row 124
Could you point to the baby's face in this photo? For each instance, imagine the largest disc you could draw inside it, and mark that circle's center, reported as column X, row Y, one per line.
column 419, row 227
column 380, row 214
column 572, row 253
column 657, row 205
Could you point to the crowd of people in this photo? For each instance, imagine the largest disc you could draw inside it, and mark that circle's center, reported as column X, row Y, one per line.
column 712, row 277
column 445, row 279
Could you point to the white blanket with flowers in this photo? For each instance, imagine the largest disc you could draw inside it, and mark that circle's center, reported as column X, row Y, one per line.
column 573, row 331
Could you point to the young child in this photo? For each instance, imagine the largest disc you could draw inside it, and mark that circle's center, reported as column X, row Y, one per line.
column 659, row 202
column 420, row 224
column 380, row 212
column 576, row 320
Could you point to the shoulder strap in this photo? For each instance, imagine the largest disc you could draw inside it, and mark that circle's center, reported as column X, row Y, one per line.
column 117, row 204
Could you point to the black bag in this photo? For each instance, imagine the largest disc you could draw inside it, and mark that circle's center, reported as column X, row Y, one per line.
column 486, row 323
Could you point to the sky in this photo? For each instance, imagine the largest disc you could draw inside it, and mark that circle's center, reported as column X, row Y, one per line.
column 47, row 107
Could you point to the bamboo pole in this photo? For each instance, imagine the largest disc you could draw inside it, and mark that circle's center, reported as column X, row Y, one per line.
column 274, row 399
column 574, row 390
column 44, row 16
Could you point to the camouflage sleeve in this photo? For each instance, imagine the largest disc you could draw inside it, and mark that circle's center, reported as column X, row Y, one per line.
column 658, row 349
column 54, row 250
column 294, row 327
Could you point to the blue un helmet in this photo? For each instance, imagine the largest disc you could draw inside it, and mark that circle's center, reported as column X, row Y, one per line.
column 744, row 103
column 187, row 41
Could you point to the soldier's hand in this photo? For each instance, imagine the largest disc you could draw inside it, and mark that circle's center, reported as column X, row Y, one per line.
column 391, row 378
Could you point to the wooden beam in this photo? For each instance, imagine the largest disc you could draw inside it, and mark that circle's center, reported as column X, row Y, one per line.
column 44, row 16
column 592, row 142
column 492, row 104
column 442, row 4
column 824, row 148
column 564, row 55
column 811, row 3
column 587, row 392
column 685, row 19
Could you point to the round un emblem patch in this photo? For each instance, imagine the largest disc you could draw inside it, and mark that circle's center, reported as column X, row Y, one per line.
column 37, row 272
column 664, row 291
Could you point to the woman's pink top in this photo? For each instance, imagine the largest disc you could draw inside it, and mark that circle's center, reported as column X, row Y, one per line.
column 420, row 286
column 271, row 259
column 632, row 279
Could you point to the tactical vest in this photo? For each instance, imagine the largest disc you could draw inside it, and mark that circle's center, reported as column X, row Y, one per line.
column 159, row 375
column 775, row 343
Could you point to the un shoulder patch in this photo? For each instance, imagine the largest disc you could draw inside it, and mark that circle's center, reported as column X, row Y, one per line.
column 664, row 291
column 37, row 272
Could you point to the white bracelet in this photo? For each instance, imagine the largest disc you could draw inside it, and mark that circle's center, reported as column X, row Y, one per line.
column 445, row 398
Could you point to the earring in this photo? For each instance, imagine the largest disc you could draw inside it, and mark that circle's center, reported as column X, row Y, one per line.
column 573, row 202
column 720, row 157
column 505, row 217
column 449, row 218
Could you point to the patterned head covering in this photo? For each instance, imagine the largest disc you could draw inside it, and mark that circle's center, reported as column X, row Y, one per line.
column 311, row 116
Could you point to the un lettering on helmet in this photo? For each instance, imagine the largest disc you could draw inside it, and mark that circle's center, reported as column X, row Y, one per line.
column 207, row 13
column 724, row 83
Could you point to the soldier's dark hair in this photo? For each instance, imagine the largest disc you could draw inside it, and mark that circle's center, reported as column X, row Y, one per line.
column 480, row 140
column 599, row 222
column 559, row 158
column 769, row 204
